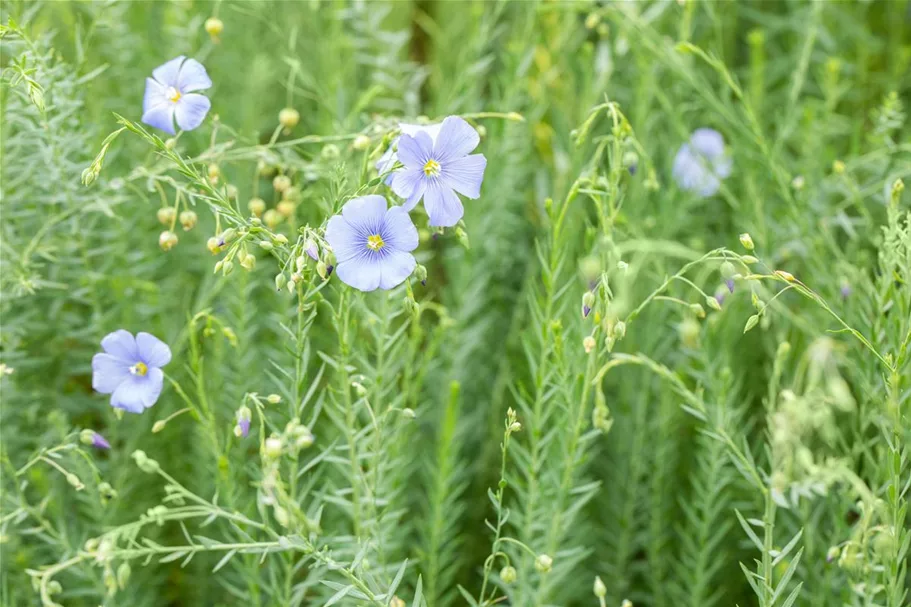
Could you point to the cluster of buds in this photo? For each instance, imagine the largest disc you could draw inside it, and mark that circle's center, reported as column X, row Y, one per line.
column 297, row 435
column 615, row 332
column 512, row 421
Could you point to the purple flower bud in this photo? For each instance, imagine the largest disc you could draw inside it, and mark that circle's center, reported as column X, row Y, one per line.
column 99, row 441
column 845, row 290
column 313, row 251
column 730, row 284
column 632, row 169
column 244, row 427
column 329, row 269
column 423, row 283
column 719, row 297
column 586, row 311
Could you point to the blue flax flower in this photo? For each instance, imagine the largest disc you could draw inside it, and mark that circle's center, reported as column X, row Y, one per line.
column 389, row 157
column 436, row 169
column 169, row 95
column 130, row 369
column 701, row 163
column 372, row 244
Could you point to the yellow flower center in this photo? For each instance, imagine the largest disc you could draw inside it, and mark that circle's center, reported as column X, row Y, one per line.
column 173, row 94
column 432, row 168
column 139, row 369
column 375, row 242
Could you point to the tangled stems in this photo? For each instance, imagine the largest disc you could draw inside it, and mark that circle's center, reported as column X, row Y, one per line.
column 103, row 550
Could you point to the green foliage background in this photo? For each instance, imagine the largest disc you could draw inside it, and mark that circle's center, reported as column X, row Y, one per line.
column 689, row 463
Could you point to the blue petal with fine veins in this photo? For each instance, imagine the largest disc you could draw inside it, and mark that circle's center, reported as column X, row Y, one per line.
column 372, row 243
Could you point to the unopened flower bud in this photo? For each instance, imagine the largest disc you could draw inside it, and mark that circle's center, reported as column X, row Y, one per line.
column 167, row 240
column 833, row 553
column 273, row 447
column 145, row 463
column 420, row 272
column 158, row 426
column 90, row 437
column 286, row 208
column 619, row 331
column 272, row 218
column 213, row 246
column 123, row 574
column 273, row 399
column 280, row 281
column 54, row 587
column 281, row 183
column 396, row 602
column 838, row 167
column 727, row 270
column 462, row 237
column 304, row 441
column 626, row 603
column 515, row 427
column 747, row 241
column 752, row 321
column 288, row 118
column 698, row 310
column 266, row 245
column 330, row 151
column 588, row 343
column 544, row 563
column 227, row 266
column 408, row 413
column 257, row 206
column 361, row 143
column 785, row 275
column 599, row 589
column 588, row 302
column 898, row 186
column 73, row 480
column 188, row 220
column 166, row 215
column 322, row 270
column 713, row 303
column 247, row 261
column 214, row 173
column 214, row 27
column 508, row 574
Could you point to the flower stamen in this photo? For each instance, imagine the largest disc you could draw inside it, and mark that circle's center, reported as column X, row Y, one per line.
column 173, row 94
column 432, row 168
column 139, row 369
column 375, row 242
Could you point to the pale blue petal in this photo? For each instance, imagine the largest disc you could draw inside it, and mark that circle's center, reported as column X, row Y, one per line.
column 344, row 240
column 413, row 200
column 456, row 139
column 387, row 161
column 443, row 206
column 167, row 74
column 108, row 372
column 406, row 182
column 414, row 152
column 138, row 392
column 192, row 110
column 152, row 351
column 396, row 267
column 707, row 142
column 399, row 232
column 161, row 117
column 465, row 175
column 362, row 273
column 122, row 345
column 365, row 214
column 722, row 166
column 155, row 95
column 708, row 184
column 413, row 129
column 192, row 77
